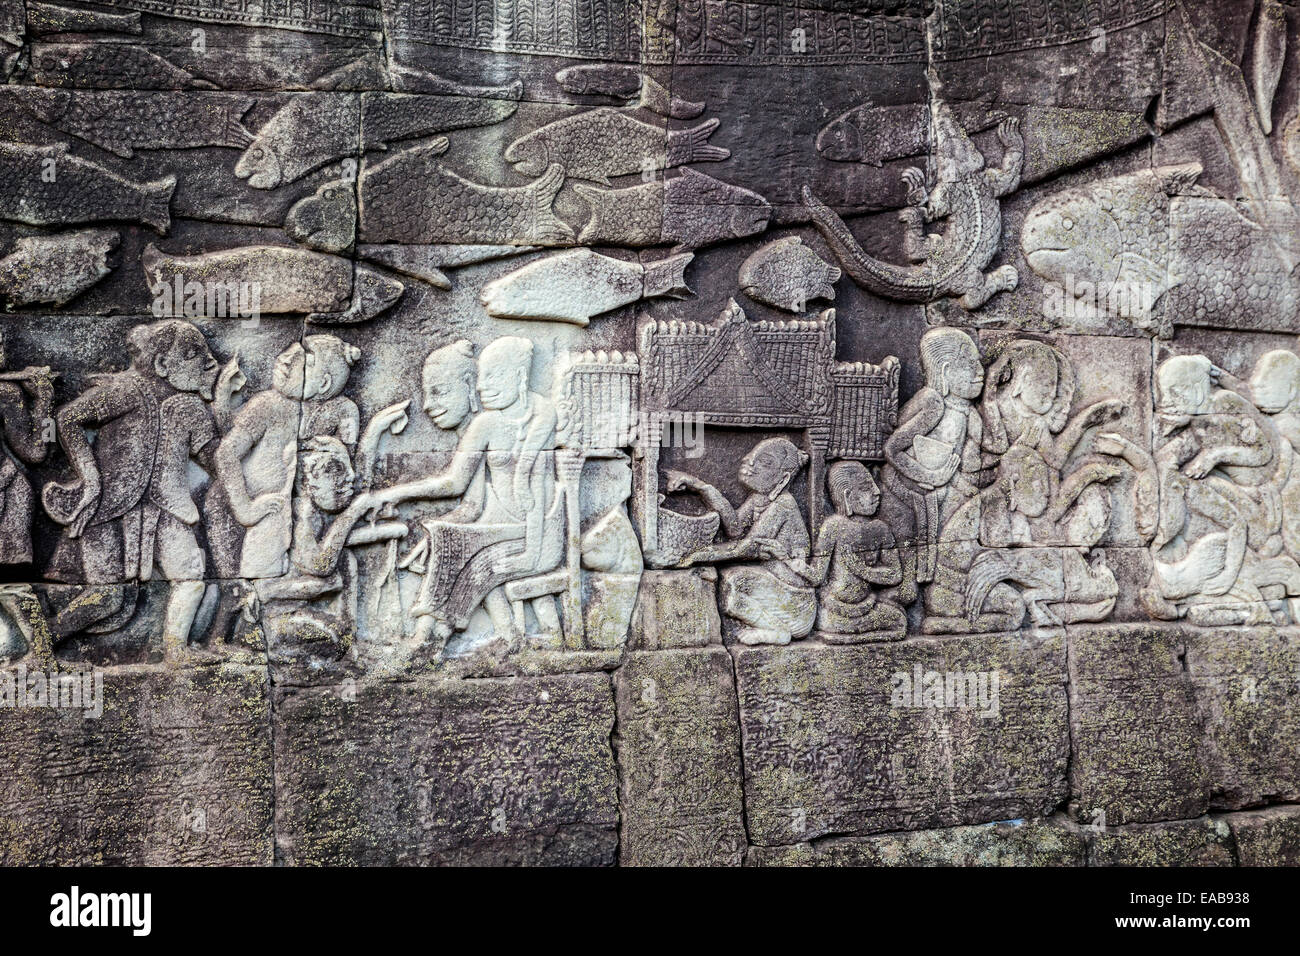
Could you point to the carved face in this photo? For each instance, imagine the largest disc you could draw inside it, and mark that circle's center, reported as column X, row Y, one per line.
column 448, row 394
column 1184, row 385
column 289, row 375
column 862, row 497
column 259, row 165
column 501, row 384
column 1029, row 483
column 763, row 469
column 188, row 366
column 328, row 481
column 1275, row 384
column 964, row 376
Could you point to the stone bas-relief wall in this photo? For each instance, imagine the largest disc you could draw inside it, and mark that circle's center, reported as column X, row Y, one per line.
column 563, row 432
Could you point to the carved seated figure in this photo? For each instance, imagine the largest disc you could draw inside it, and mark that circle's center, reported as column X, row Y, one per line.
column 991, row 571
column 1218, row 547
column 856, row 559
column 774, row 601
column 326, row 518
column 512, row 522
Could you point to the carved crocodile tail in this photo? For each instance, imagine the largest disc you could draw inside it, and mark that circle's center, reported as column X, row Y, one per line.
column 883, row 278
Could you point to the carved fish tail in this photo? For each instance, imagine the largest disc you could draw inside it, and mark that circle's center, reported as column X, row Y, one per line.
column 883, row 278
column 692, row 145
column 546, row 226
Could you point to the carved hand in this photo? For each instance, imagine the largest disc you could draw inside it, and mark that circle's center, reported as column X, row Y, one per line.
column 914, row 180
column 85, row 510
column 1009, row 133
column 262, row 507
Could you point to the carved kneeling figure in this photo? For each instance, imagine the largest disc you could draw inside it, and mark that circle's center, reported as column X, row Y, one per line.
column 775, row 601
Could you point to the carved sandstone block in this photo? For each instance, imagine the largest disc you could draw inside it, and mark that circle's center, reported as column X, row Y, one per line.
column 676, row 609
column 1269, row 837
column 679, row 758
column 435, row 772
column 861, row 739
column 1245, row 688
column 176, row 769
column 1133, row 725
column 1203, row 842
column 1049, row 842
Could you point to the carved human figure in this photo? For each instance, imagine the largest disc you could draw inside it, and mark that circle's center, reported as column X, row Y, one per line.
column 773, row 601
column 327, row 513
column 990, row 573
column 256, row 459
column 856, row 559
column 1222, row 467
column 510, row 525
column 129, row 507
column 26, row 400
column 933, row 456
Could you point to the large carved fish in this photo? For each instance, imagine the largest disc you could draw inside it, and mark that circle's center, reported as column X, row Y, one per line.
column 625, row 81
column 47, row 186
column 1154, row 235
column 411, row 197
column 107, row 66
column 574, row 285
column 286, row 280
column 46, row 19
column 600, row 143
column 877, row 134
column 55, row 269
column 691, row 210
column 312, row 131
column 122, row 121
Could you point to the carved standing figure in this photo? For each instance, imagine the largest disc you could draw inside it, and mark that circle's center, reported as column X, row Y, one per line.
column 130, row 505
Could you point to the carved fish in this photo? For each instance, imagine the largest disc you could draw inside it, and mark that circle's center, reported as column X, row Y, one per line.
column 46, row 186
column 122, row 121
column 690, row 210
column 1270, row 54
column 309, row 132
column 327, row 219
column 626, row 82
column 1154, row 234
column 574, row 285
column 596, row 144
column 786, row 274
column 286, row 280
column 411, row 197
column 55, row 269
column 878, row 134
column 107, row 66
column 44, row 19
column 427, row 262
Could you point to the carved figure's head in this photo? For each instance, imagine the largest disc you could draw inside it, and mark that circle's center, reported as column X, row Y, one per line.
column 325, row 473
column 329, row 361
column 450, row 374
column 1183, row 386
column 1275, row 383
column 1024, row 478
column 176, row 352
column 853, row 490
column 770, row 466
column 503, row 370
column 951, row 363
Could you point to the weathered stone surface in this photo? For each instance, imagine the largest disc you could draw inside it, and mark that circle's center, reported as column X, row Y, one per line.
column 676, row 609
column 825, row 751
column 1048, row 842
column 1267, row 837
column 176, row 770
column 476, row 771
column 1203, row 842
column 1247, row 691
column 679, row 760
column 1134, row 726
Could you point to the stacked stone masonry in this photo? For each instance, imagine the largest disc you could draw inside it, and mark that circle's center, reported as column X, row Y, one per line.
column 650, row 432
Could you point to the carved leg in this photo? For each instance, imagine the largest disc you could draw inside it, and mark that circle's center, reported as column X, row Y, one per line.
column 182, row 604
column 1002, row 279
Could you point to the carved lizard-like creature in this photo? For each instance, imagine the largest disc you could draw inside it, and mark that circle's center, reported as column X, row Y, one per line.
column 966, row 195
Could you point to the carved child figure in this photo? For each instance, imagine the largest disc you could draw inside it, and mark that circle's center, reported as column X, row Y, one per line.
column 934, row 453
column 856, row 558
column 775, row 601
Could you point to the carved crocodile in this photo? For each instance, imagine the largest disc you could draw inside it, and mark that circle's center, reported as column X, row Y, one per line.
column 966, row 195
